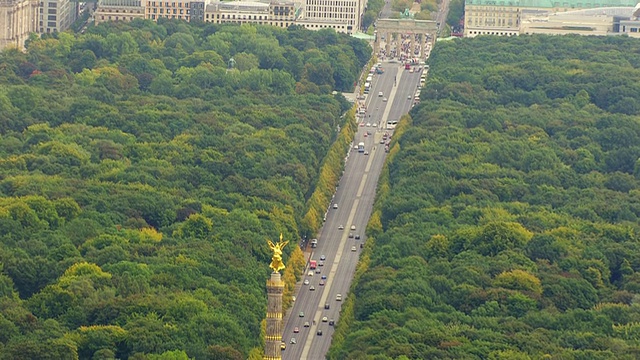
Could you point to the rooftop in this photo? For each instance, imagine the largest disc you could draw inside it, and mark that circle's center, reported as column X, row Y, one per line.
column 574, row 4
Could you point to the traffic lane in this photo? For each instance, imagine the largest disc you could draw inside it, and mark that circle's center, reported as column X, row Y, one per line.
column 321, row 344
column 365, row 206
column 309, row 301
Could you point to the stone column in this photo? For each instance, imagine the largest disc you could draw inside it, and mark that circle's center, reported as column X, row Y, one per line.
column 275, row 288
column 387, row 39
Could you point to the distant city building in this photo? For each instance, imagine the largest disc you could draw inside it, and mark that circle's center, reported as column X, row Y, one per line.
column 118, row 10
column 341, row 15
column 173, row 9
column 282, row 14
column 17, row 21
column 56, row 15
column 505, row 18
column 197, row 10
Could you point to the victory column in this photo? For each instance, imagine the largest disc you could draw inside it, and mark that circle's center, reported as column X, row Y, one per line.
column 275, row 288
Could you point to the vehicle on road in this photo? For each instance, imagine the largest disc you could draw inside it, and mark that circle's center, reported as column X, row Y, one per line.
column 314, row 243
column 306, row 282
column 368, row 124
column 335, row 206
column 318, row 271
column 310, row 273
column 384, row 99
column 321, row 283
column 301, row 314
column 353, row 227
column 332, row 322
column 296, row 330
column 357, row 236
column 319, row 332
column 306, row 324
column 408, row 97
column 350, row 235
column 325, row 319
column 313, row 288
column 375, row 125
column 322, row 257
column 327, row 306
column 340, row 227
column 321, row 263
column 283, row 346
column 353, row 248
column 380, row 94
column 324, row 277
column 366, row 153
column 338, row 298
column 293, row 340
column 313, row 264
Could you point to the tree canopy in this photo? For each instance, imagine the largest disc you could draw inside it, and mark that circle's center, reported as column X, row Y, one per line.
column 140, row 178
column 506, row 224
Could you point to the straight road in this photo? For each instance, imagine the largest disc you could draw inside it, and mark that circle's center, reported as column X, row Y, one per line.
column 354, row 197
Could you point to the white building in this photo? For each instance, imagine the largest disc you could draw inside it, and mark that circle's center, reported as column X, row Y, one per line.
column 17, row 21
column 118, row 10
column 341, row 15
column 281, row 14
column 56, row 15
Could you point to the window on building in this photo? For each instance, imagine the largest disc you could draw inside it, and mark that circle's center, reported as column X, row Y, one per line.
column 51, row 24
column 52, row 5
column 51, row 17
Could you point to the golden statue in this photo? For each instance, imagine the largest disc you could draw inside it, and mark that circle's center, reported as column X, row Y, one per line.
column 276, row 261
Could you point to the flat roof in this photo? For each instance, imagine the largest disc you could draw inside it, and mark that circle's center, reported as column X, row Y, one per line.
column 579, row 4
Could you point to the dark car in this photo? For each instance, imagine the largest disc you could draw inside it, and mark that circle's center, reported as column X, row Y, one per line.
column 332, row 322
column 350, row 235
column 326, row 306
column 319, row 332
column 357, row 236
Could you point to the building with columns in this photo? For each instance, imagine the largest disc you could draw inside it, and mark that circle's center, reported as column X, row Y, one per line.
column 17, row 21
column 118, row 10
column 281, row 14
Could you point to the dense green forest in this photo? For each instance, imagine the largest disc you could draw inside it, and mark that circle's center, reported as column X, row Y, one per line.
column 506, row 223
column 140, row 178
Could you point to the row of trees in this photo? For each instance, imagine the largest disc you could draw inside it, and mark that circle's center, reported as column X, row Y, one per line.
column 140, row 179
column 506, row 225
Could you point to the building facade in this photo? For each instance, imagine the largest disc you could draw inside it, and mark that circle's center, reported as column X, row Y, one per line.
column 505, row 18
column 56, row 15
column 281, row 14
column 17, row 21
column 341, row 15
column 172, row 9
column 118, row 10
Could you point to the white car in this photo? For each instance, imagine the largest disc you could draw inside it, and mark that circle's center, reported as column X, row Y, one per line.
column 306, row 282
column 335, row 206
column 368, row 125
column 384, row 99
column 380, row 94
column 339, row 297
column 353, row 248
column 353, row 227
column 374, row 125
column 340, row 227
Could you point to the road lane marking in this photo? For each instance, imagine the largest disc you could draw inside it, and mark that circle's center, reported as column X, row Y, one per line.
column 334, row 268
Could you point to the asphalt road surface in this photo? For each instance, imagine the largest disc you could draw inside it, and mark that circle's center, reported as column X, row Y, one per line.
column 354, row 196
